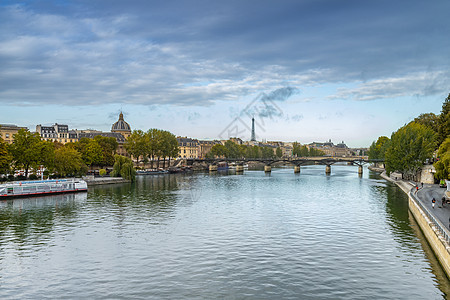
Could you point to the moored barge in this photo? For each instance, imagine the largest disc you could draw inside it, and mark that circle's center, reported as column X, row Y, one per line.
column 41, row 187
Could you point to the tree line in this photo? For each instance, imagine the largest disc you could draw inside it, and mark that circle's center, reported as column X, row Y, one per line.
column 233, row 150
column 412, row 145
column 152, row 144
column 28, row 151
column 303, row 151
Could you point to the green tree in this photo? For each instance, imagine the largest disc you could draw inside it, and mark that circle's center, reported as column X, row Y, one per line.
column 68, row 161
column 29, row 151
column 219, row 150
column 296, row 149
column 442, row 166
column 430, row 120
column 109, row 147
column 5, row 158
column 279, row 152
column 410, row 146
column 169, row 145
column 378, row 149
column 315, row 152
column 90, row 150
column 304, row 151
column 123, row 167
column 267, row 152
column 444, row 122
column 136, row 144
column 232, row 150
column 152, row 143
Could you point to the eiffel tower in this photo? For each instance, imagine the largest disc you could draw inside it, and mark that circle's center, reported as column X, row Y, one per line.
column 253, row 139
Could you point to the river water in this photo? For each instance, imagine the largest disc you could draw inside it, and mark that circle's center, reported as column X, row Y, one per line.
column 222, row 236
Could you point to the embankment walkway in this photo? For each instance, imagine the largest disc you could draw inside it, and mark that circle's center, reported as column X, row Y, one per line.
column 434, row 222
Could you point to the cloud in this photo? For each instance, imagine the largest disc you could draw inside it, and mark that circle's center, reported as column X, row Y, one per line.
column 412, row 85
column 86, row 53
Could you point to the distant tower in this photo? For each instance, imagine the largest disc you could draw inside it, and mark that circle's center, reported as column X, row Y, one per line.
column 253, row 139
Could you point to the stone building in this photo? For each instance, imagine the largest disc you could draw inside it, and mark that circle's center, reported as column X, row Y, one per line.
column 57, row 133
column 330, row 149
column 121, row 127
column 7, row 132
column 189, row 148
column 120, row 130
column 204, row 147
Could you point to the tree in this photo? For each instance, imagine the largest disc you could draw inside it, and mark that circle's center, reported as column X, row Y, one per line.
column 304, row 151
column 378, row 149
column 28, row 150
column 442, row 166
column 69, row 161
column 219, row 150
column 267, row 152
column 232, row 150
column 152, row 143
column 90, row 150
column 123, row 167
column 5, row 158
column 315, row 152
column 410, row 146
column 136, row 144
column 109, row 146
column 169, row 145
column 279, row 152
column 444, row 122
column 430, row 120
column 296, row 149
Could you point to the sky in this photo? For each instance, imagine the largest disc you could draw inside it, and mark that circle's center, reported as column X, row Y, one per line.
column 305, row 70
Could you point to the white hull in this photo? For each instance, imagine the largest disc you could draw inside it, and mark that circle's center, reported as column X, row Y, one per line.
column 41, row 187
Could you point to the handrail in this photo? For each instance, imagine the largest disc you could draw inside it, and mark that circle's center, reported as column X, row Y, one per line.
column 439, row 226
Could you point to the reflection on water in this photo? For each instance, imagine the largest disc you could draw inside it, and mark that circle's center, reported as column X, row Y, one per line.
column 34, row 217
column 221, row 235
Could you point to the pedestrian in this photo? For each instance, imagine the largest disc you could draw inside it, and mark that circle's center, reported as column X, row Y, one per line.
column 432, row 202
column 417, row 188
column 421, row 184
column 443, row 201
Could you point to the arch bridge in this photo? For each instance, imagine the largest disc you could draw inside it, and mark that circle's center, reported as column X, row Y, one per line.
column 296, row 162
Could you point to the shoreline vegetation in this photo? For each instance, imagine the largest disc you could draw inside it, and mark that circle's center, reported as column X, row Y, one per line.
column 424, row 140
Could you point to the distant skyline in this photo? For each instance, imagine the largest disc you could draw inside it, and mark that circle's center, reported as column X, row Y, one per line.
column 308, row 71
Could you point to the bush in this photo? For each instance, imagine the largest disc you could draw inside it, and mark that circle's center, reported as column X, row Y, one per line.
column 102, row 172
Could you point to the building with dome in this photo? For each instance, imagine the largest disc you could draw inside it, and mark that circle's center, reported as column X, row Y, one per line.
column 121, row 127
column 120, row 130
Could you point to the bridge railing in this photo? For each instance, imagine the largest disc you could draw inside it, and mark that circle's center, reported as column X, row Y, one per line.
column 441, row 228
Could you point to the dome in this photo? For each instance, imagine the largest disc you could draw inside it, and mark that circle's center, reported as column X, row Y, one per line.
column 120, row 125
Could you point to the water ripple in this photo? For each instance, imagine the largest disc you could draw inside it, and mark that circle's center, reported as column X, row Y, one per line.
column 282, row 236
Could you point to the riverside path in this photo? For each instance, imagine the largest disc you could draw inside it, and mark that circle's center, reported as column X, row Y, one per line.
column 426, row 194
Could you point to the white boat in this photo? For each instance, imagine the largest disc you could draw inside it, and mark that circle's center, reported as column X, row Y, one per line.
column 41, row 187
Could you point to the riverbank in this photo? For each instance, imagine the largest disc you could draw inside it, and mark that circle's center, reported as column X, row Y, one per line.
column 91, row 180
column 435, row 232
